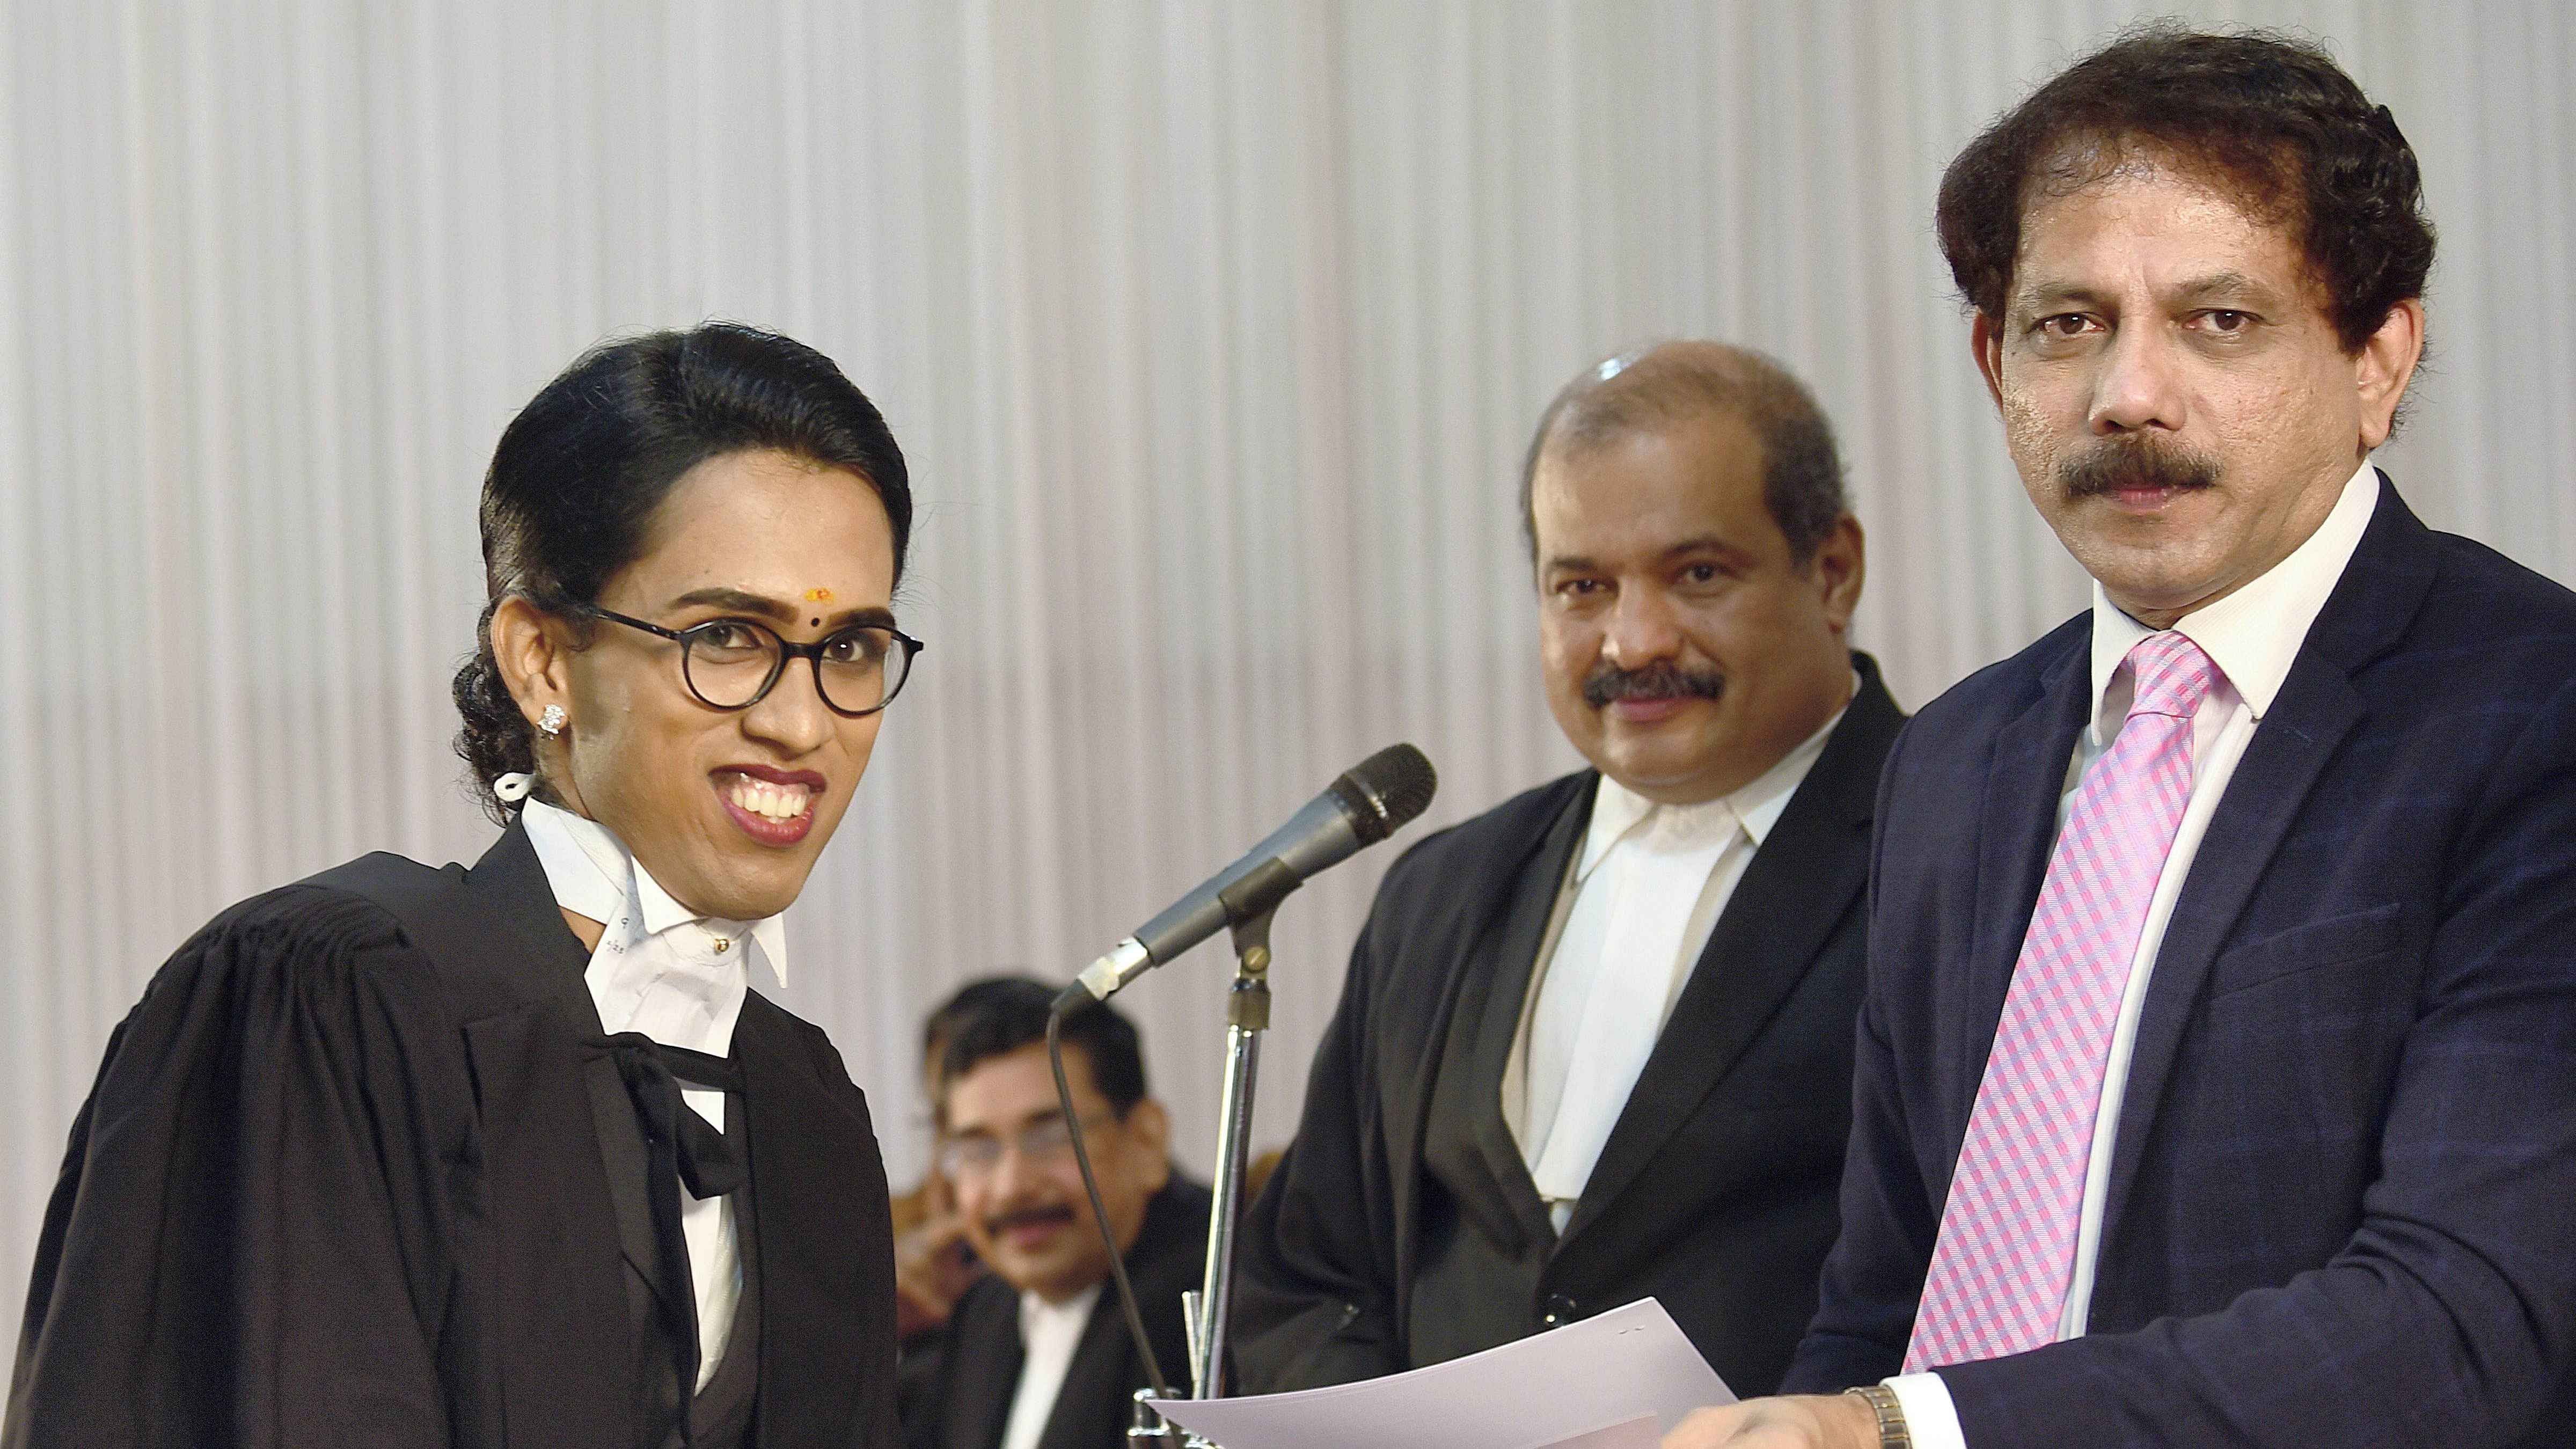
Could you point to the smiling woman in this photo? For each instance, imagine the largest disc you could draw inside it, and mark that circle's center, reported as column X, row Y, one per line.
column 683, row 732
column 513, row 1155
column 684, row 483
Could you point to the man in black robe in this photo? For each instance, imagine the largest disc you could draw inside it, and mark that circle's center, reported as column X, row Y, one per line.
column 1037, row 1353
column 1596, row 1043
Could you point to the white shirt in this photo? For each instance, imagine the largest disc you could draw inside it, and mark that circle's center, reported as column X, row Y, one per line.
column 1629, row 836
column 679, row 978
column 1049, row 1333
column 2253, row 636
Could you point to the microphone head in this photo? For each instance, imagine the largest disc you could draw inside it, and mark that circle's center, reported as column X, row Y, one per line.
column 1385, row 791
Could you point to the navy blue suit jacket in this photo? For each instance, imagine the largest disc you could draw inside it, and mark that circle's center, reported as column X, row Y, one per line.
column 2342, row 1204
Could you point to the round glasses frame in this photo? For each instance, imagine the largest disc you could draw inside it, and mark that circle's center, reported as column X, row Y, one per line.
column 905, row 647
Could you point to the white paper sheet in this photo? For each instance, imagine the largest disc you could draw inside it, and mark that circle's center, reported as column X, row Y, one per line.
column 1643, row 1433
column 1611, row 1382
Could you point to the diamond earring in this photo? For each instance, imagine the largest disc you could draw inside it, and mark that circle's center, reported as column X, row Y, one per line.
column 551, row 723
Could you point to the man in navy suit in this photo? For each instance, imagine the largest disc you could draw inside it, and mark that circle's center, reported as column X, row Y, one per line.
column 2216, row 1076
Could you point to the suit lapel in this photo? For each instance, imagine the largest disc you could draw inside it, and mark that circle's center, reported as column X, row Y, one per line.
column 1485, row 929
column 819, row 1201
column 2317, row 707
column 1495, row 1000
column 2015, row 828
column 560, row 1318
column 1095, row 1383
column 1799, row 885
column 624, row 1158
column 980, row 1370
column 984, row 1356
column 1100, row 1383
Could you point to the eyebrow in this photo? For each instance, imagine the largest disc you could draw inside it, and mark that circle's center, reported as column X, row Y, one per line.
column 2054, row 294
column 2215, row 286
column 1010, row 1129
column 742, row 602
column 1707, row 543
column 1703, row 543
column 2223, row 286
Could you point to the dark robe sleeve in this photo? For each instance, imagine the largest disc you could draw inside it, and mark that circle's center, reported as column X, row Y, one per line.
column 1315, row 1286
column 878, row 1423
column 253, row 1239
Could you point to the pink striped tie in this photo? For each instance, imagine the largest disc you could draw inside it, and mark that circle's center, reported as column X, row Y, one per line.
column 2006, row 1254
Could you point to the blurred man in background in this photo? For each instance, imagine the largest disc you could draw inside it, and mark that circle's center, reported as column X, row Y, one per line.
column 932, row 1263
column 1036, row 1354
column 1596, row 1044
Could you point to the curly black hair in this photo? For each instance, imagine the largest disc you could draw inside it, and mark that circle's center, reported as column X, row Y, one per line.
column 580, row 472
column 2269, row 119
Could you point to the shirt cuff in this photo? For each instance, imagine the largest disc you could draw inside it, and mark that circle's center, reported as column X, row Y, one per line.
column 1931, row 1420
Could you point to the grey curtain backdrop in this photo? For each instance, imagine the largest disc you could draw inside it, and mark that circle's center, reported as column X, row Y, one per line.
column 1213, row 332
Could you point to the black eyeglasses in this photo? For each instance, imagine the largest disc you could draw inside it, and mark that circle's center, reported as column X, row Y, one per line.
column 734, row 663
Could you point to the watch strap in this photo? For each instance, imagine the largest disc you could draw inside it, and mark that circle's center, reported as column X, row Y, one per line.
column 1890, row 1413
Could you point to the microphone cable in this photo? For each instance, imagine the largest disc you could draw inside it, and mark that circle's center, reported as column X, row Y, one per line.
column 1099, row 1212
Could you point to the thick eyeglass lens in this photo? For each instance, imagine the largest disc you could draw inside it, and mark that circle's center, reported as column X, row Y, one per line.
column 730, row 664
column 1048, row 1142
column 861, row 669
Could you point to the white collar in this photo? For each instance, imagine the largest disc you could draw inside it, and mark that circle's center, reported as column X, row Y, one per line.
column 1036, row 1313
column 592, row 873
column 2253, row 635
column 659, row 968
column 1617, row 810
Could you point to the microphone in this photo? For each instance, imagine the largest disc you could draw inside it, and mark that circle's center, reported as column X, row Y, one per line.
column 1368, row 803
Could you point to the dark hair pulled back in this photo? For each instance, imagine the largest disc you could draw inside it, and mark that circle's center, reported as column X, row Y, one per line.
column 579, row 474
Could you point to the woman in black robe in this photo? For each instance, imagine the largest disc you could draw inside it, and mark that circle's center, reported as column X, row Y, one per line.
column 368, row 1164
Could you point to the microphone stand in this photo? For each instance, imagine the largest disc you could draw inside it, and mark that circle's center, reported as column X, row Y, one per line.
column 1250, row 903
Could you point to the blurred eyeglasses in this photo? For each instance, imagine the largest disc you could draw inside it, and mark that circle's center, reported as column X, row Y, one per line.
column 1050, row 1141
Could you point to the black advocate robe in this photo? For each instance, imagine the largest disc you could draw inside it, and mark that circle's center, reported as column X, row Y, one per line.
column 1403, row 1228
column 965, row 1402
column 341, row 1182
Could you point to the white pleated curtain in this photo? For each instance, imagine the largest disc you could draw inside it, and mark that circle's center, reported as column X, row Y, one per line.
column 1213, row 333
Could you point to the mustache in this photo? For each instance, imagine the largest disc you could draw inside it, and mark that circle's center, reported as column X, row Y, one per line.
column 1608, row 683
column 1002, row 1222
column 2134, row 463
